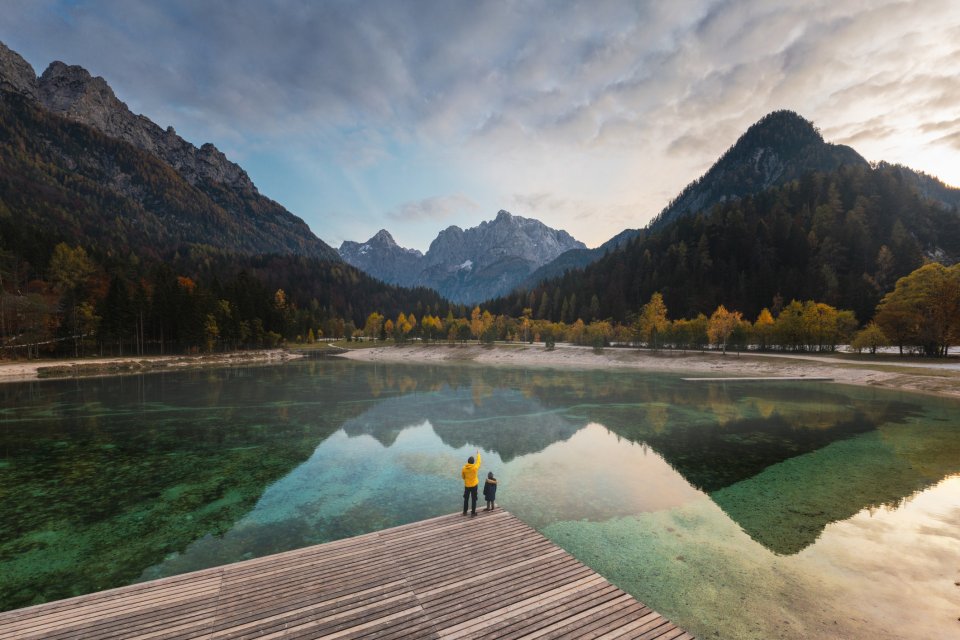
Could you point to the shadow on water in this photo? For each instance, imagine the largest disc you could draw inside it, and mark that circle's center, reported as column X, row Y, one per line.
column 108, row 480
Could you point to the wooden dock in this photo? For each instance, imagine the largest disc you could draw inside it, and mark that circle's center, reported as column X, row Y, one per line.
column 449, row 577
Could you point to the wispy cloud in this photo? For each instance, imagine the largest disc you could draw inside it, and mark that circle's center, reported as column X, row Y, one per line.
column 436, row 208
column 603, row 104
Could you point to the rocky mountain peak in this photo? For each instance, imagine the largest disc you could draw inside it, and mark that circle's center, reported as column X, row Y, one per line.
column 73, row 92
column 383, row 238
column 503, row 216
column 16, row 74
column 780, row 147
column 70, row 90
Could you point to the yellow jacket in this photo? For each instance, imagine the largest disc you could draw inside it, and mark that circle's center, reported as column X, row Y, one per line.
column 470, row 472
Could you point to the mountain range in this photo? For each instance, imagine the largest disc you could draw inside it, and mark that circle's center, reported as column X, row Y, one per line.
column 842, row 237
column 815, row 219
column 781, row 147
column 466, row 266
column 86, row 166
column 470, row 266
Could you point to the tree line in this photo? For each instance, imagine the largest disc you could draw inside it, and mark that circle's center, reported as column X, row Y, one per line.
column 920, row 315
column 82, row 303
column 843, row 238
column 76, row 307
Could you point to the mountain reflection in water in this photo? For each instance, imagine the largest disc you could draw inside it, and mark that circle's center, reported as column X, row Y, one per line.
column 109, row 480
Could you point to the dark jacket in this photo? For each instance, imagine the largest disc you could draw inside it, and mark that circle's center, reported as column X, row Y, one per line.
column 490, row 490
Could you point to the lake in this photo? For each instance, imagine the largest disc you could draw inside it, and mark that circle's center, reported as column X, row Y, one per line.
column 739, row 510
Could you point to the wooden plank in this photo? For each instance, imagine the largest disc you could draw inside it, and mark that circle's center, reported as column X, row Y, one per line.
column 452, row 577
column 473, row 626
column 469, row 569
column 468, row 603
column 638, row 627
column 116, row 609
column 263, row 618
column 543, row 621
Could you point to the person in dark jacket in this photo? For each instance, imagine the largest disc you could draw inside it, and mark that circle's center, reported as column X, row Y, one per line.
column 490, row 491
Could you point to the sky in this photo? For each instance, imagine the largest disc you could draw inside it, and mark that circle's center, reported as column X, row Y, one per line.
column 589, row 116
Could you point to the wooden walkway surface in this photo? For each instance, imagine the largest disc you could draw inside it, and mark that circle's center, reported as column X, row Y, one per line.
column 449, row 577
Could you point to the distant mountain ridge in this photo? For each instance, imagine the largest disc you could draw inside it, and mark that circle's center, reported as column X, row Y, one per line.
column 842, row 237
column 780, row 147
column 465, row 266
column 383, row 258
column 204, row 199
column 777, row 149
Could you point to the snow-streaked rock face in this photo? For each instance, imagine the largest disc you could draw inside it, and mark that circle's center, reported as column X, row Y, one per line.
column 383, row 258
column 466, row 266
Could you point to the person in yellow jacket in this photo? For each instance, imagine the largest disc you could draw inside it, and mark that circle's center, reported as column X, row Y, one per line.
column 469, row 473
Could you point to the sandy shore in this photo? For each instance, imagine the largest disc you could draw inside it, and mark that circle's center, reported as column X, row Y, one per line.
column 34, row 369
column 940, row 378
column 937, row 377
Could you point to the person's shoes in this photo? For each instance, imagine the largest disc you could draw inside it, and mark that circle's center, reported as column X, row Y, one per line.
column 473, row 514
column 464, row 513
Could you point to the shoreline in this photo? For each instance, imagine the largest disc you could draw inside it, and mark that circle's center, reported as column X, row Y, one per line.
column 936, row 378
column 940, row 379
column 30, row 370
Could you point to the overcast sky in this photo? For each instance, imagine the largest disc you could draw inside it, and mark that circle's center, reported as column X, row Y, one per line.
column 589, row 116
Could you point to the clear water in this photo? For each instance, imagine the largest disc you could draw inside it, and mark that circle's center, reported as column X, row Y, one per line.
column 794, row 510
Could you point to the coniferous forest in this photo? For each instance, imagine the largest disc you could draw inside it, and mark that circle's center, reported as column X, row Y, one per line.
column 107, row 249
column 843, row 238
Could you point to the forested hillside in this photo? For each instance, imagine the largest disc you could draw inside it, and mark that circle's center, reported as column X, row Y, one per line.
column 779, row 148
column 79, row 185
column 105, row 248
column 843, row 238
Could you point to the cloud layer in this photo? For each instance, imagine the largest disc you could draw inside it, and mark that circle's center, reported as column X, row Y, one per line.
column 589, row 115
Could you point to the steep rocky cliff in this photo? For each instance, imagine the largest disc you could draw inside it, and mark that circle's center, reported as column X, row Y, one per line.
column 71, row 91
column 108, row 175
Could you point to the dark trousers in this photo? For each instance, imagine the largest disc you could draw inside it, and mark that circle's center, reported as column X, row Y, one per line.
column 470, row 492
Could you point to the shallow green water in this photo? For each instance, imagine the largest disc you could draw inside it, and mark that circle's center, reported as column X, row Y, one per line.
column 739, row 510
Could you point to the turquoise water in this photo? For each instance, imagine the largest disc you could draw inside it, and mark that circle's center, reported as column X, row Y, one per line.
column 791, row 510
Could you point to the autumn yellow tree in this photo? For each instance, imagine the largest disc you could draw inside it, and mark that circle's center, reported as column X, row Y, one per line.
column 525, row 327
column 721, row 325
column 432, row 327
column 577, row 332
column 411, row 325
column 924, row 309
column 598, row 334
column 652, row 321
column 870, row 337
column 763, row 329
column 401, row 328
column 476, row 323
column 373, row 326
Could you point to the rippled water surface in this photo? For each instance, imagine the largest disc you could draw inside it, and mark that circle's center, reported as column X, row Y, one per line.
column 795, row 510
